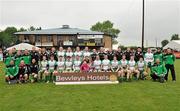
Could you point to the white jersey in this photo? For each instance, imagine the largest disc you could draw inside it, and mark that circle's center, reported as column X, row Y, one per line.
column 124, row 63
column 43, row 64
column 149, row 57
column 70, row 54
column 132, row 65
column 141, row 65
column 61, row 53
column 78, row 53
column 97, row 64
column 77, row 64
column 105, row 64
column 68, row 64
column 51, row 64
column 114, row 64
column 86, row 53
column 60, row 64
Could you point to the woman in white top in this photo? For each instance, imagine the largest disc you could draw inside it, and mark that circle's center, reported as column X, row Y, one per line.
column 115, row 64
column 68, row 64
column 61, row 52
column 97, row 64
column 78, row 52
column 86, row 52
column 132, row 67
column 69, row 53
column 76, row 64
column 105, row 64
column 124, row 69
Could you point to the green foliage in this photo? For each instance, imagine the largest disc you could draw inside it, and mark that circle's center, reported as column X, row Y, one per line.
column 7, row 36
column 106, row 27
column 114, row 41
column 22, row 29
column 31, row 28
column 175, row 37
column 164, row 42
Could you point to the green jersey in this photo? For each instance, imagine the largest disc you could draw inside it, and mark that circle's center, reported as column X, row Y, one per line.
column 12, row 70
column 27, row 59
column 8, row 59
column 18, row 59
column 158, row 55
column 169, row 59
column 158, row 69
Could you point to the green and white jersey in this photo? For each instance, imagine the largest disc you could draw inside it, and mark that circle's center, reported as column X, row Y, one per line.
column 132, row 64
column 78, row 53
column 141, row 65
column 60, row 65
column 149, row 57
column 105, row 64
column 61, row 53
column 114, row 64
column 77, row 64
column 70, row 54
column 97, row 64
column 68, row 64
column 43, row 64
column 124, row 63
column 52, row 64
column 86, row 53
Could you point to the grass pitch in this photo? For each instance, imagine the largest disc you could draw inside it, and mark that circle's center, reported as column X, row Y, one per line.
column 131, row 96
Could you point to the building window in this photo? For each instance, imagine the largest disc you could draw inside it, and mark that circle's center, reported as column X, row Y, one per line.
column 49, row 38
column 38, row 38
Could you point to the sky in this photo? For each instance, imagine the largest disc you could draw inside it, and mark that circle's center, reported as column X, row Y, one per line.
column 162, row 17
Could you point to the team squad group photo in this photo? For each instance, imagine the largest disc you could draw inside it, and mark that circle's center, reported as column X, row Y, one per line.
column 43, row 65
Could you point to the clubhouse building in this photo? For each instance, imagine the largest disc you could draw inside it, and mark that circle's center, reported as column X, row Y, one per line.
column 65, row 37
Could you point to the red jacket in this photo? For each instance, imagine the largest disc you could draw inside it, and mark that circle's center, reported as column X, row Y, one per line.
column 85, row 67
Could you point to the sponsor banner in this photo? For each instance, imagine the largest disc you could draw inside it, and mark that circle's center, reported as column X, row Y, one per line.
column 87, row 78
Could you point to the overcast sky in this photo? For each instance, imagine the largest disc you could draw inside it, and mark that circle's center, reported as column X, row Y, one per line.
column 162, row 17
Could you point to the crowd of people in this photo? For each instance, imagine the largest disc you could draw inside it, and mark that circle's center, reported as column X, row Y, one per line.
column 43, row 65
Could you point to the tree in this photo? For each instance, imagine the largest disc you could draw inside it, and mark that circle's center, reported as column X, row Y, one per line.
column 106, row 27
column 10, row 30
column 175, row 37
column 164, row 42
column 5, row 39
column 31, row 28
column 22, row 29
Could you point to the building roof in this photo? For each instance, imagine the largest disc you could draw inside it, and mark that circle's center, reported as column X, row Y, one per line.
column 63, row 30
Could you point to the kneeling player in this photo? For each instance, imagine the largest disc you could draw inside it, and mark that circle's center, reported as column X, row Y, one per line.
column 23, row 72
column 141, row 65
column 132, row 68
column 114, row 64
column 106, row 64
column 33, row 71
column 60, row 65
column 158, row 71
column 51, row 67
column 43, row 68
column 124, row 71
column 11, row 72
column 68, row 64
column 97, row 64
column 77, row 64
